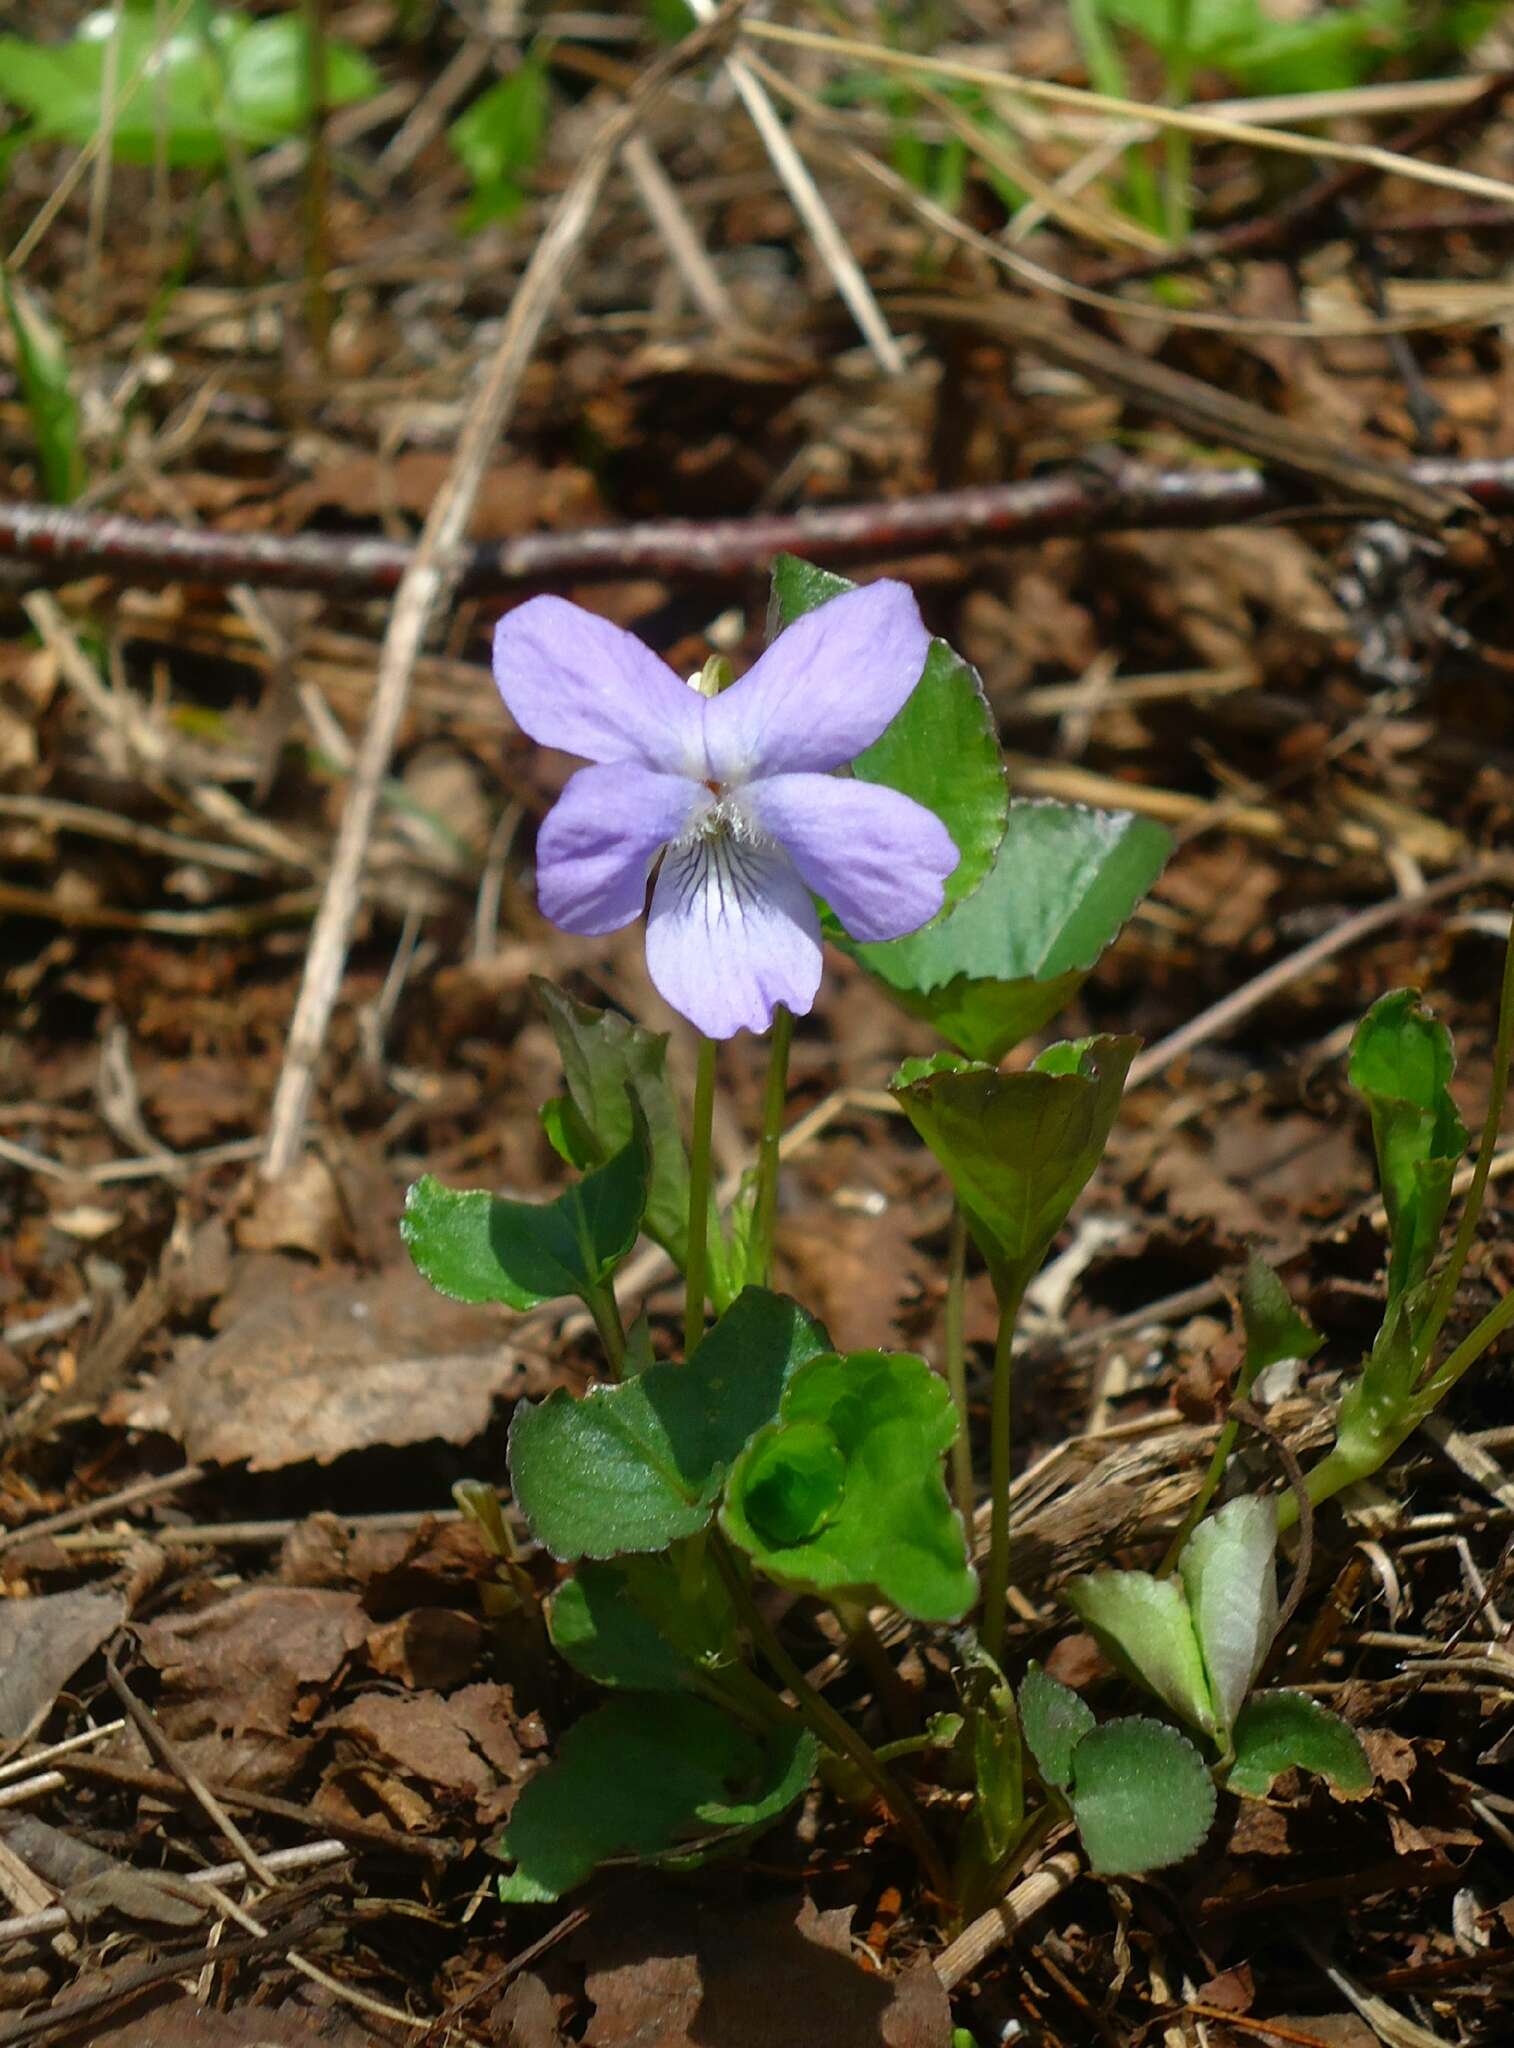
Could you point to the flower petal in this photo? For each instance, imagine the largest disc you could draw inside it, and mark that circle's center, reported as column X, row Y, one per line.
column 877, row 857
column 598, row 842
column 824, row 690
column 572, row 680
column 732, row 934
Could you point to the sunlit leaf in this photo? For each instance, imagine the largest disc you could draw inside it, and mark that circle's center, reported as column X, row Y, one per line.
column 1401, row 1064
column 1001, row 965
column 845, row 1494
column 1141, row 1796
column 641, row 1623
column 630, row 1468
column 1143, row 1624
column 1017, row 1148
column 1281, row 1731
column 1053, row 1719
column 637, row 1779
column 1230, row 1578
column 475, row 1246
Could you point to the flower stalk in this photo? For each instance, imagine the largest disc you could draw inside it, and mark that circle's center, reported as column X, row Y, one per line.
column 696, row 1267
column 775, row 1096
column 1001, row 1449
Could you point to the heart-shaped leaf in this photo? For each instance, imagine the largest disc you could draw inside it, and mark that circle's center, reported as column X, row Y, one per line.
column 844, row 1494
column 1401, row 1064
column 1231, row 1582
column 1053, row 1719
column 637, row 1778
column 635, row 1466
column 1280, row 1731
column 942, row 749
column 1143, row 1625
column 1013, row 953
column 475, row 1246
column 1141, row 1796
column 641, row 1623
column 1018, row 1148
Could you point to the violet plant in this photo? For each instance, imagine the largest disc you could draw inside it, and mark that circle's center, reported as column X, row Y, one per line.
column 848, row 788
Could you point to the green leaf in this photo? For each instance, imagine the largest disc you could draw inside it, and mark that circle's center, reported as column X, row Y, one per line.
column 1141, row 1796
column 844, row 1494
column 475, row 1246
column 1053, row 1719
column 1274, row 1328
column 1018, row 1148
column 606, row 1060
column 635, row 1779
column 1281, row 1731
column 642, row 1623
column 1143, row 1625
column 942, row 749
column 219, row 81
column 630, row 1468
column 1015, row 952
column 1401, row 1064
column 998, row 1756
column 1231, row 1581
column 499, row 139
column 42, row 365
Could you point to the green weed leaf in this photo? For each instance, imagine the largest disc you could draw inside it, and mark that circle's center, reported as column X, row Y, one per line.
column 645, row 1779
column 844, row 1493
column 1141, row 1796
column 499, row 140
column 42, row 365
column 1143, row 1625
column 1274, row 1328
column 1018, row 1148
column 630, row 1468
column 1003, row 963
column 475, row 1246
column 641, row 1623
column 1230, row 1578
column 942, row 749
column 1053, row 1719
column 1401, row 1065
column 1280, row 1731
column 219, row 80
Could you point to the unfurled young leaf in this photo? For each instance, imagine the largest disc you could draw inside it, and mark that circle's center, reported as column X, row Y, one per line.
column 630, row 1468
column 1141, row 1796
column 646, row 1779
column 942, row 749
column 998, row 1755
column 1144, row 1625
column 1230, row 1578
column 1401, row 1064
column 1001, row 965
column 1053, row 1719
column 475, row 1246
column 1281, row 1731
column 844, row 1493
column 1018, row 1148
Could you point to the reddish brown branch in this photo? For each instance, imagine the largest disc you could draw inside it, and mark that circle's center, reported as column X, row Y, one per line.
column 57, row 544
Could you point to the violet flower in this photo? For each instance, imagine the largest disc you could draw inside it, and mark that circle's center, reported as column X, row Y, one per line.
column 734, row 792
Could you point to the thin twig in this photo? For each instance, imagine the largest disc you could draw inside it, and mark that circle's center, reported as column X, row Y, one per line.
column 309, row 1856
column 431, row 577
column 58, row 543
column 1001, row 1923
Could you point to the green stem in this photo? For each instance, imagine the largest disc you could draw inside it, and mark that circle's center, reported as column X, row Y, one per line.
column 765, row 1208
column 1467, row 1352
column 600, row 1302
column 1466, row 1229
column 1001, row 1445
column 695, row 1264
column 898, row 1701
column 828, row 1725
column 956, row 1366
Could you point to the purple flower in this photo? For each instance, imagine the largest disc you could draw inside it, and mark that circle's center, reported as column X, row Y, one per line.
column 734, row 792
